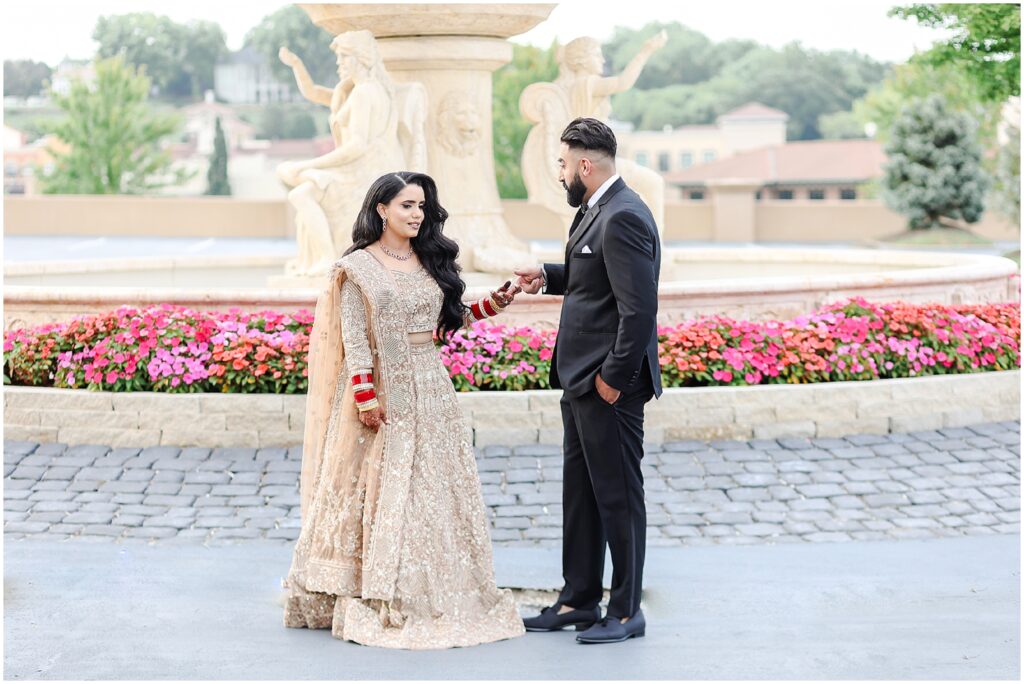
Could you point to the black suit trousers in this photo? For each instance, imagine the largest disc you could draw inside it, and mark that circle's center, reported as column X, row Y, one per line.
column 603, row 497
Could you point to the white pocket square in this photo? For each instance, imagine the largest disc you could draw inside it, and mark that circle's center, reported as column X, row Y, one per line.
column 586, row 250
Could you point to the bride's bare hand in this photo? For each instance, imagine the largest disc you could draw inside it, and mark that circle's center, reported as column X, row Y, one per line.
column 504, row 295
column 373, row 418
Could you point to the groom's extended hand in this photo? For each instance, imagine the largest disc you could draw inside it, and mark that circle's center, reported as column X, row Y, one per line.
column 529, row 279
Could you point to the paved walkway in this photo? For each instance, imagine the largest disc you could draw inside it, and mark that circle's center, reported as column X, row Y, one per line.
column 946, row 483
column 915, row 609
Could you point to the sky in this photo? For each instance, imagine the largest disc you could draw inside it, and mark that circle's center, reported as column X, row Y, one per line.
column 49, row 30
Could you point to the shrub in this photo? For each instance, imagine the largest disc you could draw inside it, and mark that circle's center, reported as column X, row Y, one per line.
column 174, row 349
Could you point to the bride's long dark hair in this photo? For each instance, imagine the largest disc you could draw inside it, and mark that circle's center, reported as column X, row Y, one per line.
column 436, row 251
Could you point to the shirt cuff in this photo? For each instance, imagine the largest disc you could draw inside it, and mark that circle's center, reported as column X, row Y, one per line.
column 544, row 280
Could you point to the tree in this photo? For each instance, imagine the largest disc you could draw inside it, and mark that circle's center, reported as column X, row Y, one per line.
column 985, row 47
column 179, row 58
column 934, row 175
column 113, row 135
column 291, row 27
column 286, row 121
column 205, row 45
column 840, row 126
column 688, row 57
column 1006, row 193
column 529, row 65
column 916, row 80
column 217, row 175
column 692, row 80
column 25, row 77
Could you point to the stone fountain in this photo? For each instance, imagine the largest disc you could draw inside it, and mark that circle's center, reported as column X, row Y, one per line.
column 439, row 61
column 452, row 51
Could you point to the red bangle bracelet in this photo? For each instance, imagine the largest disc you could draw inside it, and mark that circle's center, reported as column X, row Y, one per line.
column 364, row 393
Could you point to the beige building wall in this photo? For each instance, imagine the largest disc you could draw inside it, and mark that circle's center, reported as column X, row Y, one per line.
column 154, row 216
column 742, row 135
column 730, row 215
column 701, row 143
column 808, row 221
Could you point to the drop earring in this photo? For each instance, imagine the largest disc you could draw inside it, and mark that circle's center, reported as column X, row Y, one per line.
column 383, row 223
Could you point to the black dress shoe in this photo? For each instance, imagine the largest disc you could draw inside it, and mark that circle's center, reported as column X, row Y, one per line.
column 611, row 630
column 550, row 620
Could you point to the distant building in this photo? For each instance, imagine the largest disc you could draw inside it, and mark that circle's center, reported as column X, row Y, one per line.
column 201, row 125
column 675, row 149
column 70, row 70
column 245, row 78
column 252, row 163
column 803, row 169
column 22, row 158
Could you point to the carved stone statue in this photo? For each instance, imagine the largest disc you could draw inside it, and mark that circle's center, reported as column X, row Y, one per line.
column 377, row 126
column 581, row 90
column 458, row 124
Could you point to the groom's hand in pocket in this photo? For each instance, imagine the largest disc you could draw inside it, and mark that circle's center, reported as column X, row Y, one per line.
column 607, row 392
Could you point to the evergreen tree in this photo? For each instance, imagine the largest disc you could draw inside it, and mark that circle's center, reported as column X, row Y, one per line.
column 113, row 136
column 934, row 175
column 217, row 175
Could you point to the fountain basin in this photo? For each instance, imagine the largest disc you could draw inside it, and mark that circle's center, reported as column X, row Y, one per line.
column 742, row 282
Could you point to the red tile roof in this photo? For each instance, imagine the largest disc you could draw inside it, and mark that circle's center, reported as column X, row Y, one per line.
column 803, row 161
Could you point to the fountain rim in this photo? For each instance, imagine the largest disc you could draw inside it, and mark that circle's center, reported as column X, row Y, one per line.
column 959, row 267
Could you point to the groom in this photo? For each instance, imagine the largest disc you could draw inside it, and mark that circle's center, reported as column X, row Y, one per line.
column 606, row 362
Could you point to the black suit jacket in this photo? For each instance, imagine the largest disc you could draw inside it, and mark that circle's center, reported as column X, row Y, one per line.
column 610, row 285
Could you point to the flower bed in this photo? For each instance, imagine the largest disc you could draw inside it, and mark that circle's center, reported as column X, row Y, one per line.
column 174, row 349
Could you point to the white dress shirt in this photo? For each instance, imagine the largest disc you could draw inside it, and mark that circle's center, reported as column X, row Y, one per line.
column 591, row 203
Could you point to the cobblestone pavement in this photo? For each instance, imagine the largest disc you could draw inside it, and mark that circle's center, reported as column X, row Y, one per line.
column 949, row 482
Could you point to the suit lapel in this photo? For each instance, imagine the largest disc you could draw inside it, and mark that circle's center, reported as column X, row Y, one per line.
column 588, row 220
column 591, row 215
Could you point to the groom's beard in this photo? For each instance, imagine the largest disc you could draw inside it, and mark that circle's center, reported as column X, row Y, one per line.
column 574, row 192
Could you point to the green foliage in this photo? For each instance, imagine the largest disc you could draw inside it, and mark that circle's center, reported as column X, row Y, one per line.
column 1006, row 194
column 179, row 58
column 25, row 77
column 113, row 135
column 290, row 27
column 985, row 47
column 934, row 174
column 688, row 57
column 529, row 65
column 908, row 82
column 283, row 121
column 692, row 80
column 840, row 126
column 217, row 175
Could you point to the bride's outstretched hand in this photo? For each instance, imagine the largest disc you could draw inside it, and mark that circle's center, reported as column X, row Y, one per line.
column 505, row 294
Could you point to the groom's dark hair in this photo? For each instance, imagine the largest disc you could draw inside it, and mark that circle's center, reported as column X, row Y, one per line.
column 590, row 134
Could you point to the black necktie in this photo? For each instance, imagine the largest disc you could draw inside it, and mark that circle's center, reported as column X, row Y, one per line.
column 576, row 220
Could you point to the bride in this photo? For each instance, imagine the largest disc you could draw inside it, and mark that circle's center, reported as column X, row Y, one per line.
column 394, row 548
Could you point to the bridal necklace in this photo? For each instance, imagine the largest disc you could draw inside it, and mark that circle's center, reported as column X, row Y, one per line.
column 384, row 227
column 391, row 254
column 395, row 256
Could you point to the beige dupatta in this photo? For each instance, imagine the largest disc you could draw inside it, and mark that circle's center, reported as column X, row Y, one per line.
column 356, row 456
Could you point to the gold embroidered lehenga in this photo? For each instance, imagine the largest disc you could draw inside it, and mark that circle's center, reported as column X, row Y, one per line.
column 394, row 548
